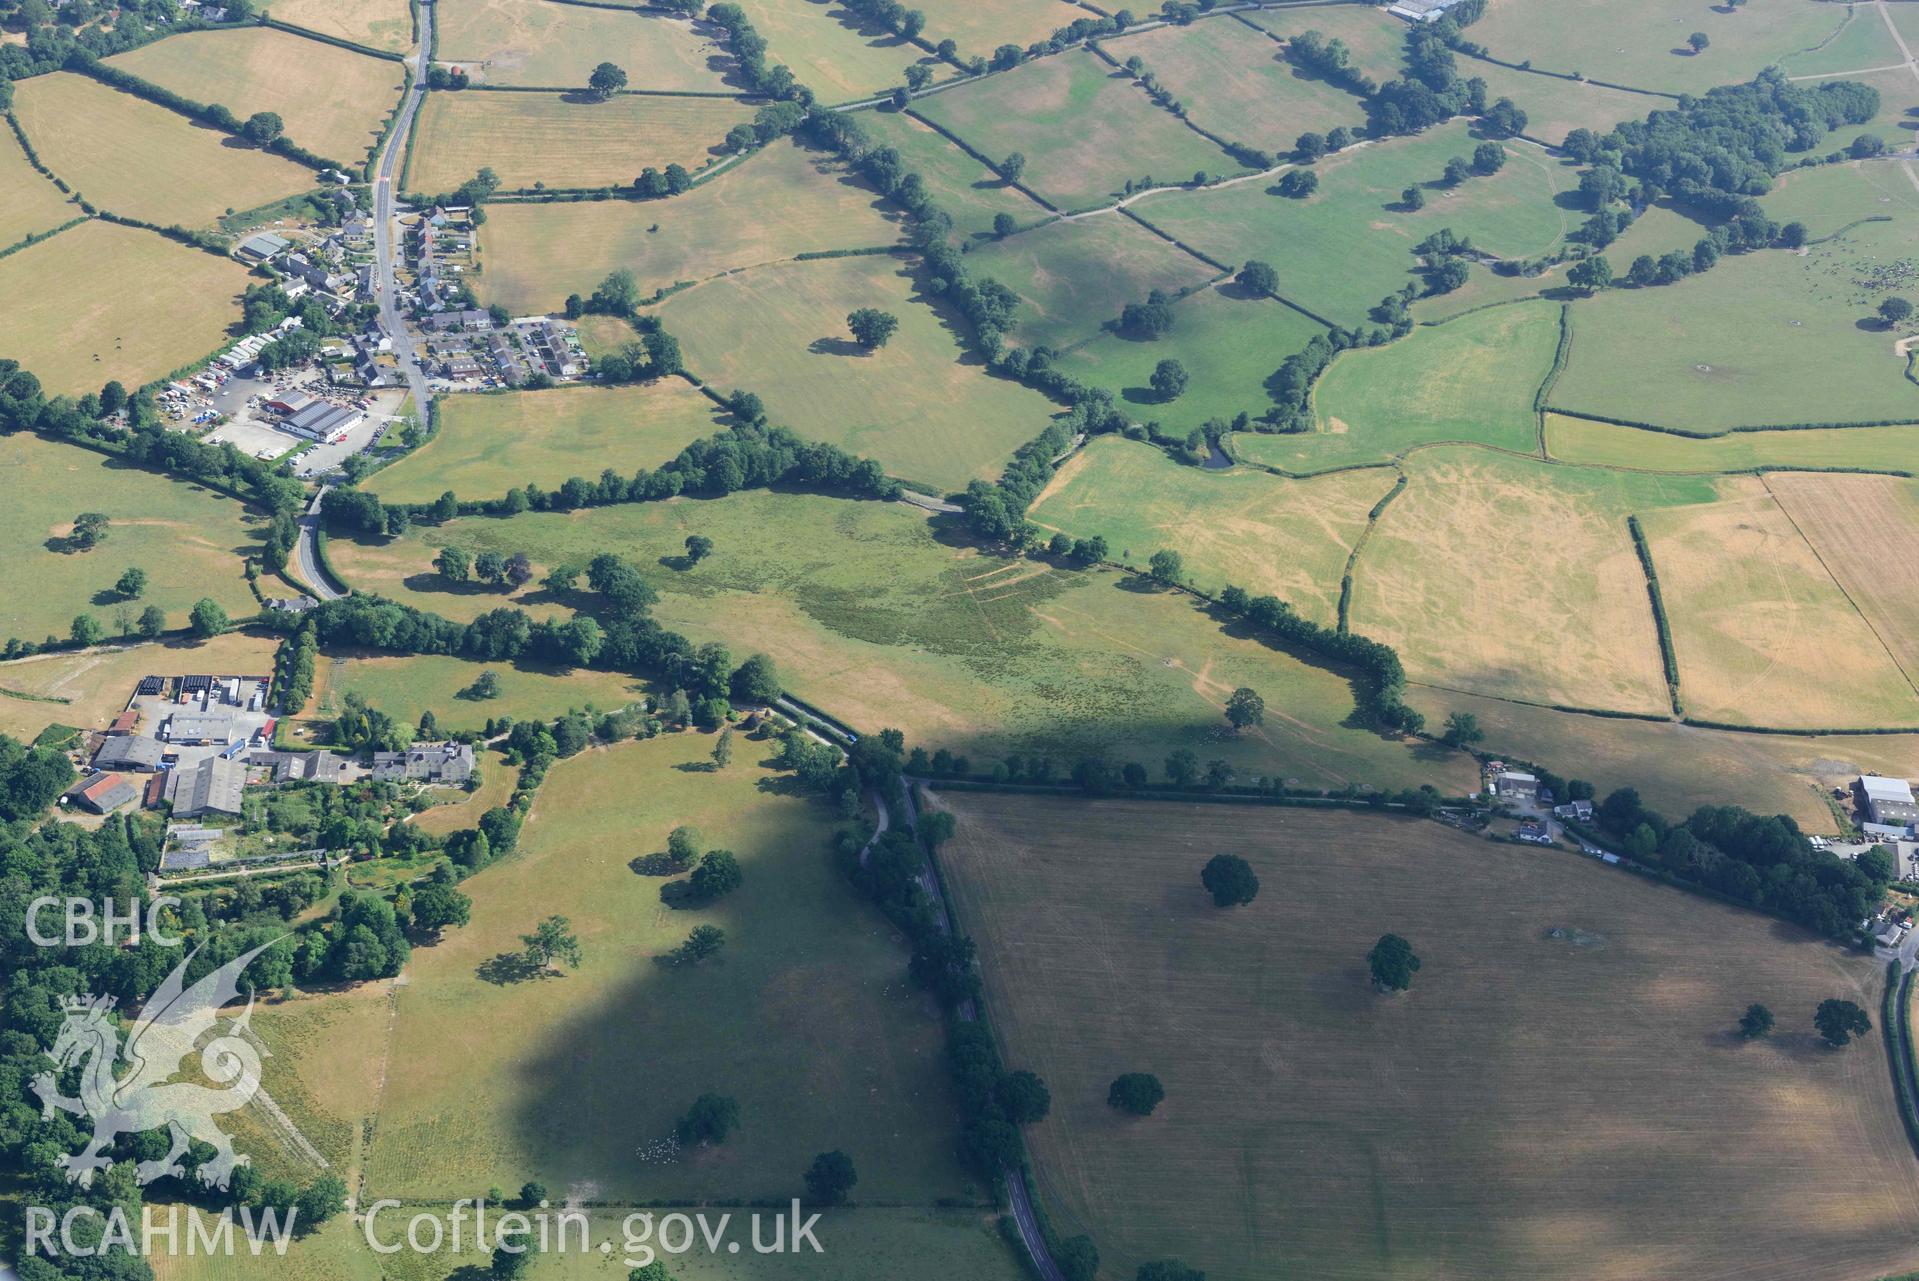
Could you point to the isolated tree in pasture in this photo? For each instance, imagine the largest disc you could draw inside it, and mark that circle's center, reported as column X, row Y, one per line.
column 1135, row 1092
column 1004, row 225
column 1392, row 963
column 698, row 547
column 1078, row 1258
column 207, row 618
column 1488, row 158
column 723, row 749
column 263, row 128
column 1413, row 198
column 830, row 1178
column 918, row 76
column 552, row 940
column 490, row 567
column 717, row 875
column 1230, row 880
column 1169, row 380
column 711, row 1118
column 131, row 584
column 1894, row 310
column 1259, row 277
column 1839, row 1021
column 705, row 941
column 1755, row 1022
column 606, row 81
column 1458, row 169
column 453, row 565
column 1245, row 707
column 1698, row 41
column 872, row 327
column 89, row 530
column 1298, row 184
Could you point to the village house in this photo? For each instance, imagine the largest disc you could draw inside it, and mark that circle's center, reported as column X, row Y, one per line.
column 425, row 763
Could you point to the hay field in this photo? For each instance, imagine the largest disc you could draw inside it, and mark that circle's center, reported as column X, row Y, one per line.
column 407, row 687
column 28, row 202
column 1535, row 1107
column 924, row 408
column 1377, row 40
column 1763, row 634
column 99, row 301
column 334, row 101
column 1287, row 537
column 1865, row 531
column 500, row 1082
column 378, row 24
column 1470, row 379
column 550, row 138
column 966, row 189
column 1799, row 354
column 135, row 159
column 1235, row 81
column 981, row 26
column 488, row 444
column 1084, row 128
column 1555, row 107
column 1073, row 278
column 89, row 688
column 832, row 51
column 1228, row 342
column 190, row 540
column 556, row 46
column 536, row 254
column 1342, row 249
column 1579, row 440
column 890, row 619
column 1511, row 577
column 1642, row 43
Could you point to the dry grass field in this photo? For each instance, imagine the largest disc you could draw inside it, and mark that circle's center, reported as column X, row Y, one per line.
column 1084, row 128
column 29, row 204
column 553, row 138
column 333, row 101
column 966, row 189
column 1236, row 82
column 1580, row 440
column 89, row 688
column 924, row 408
column 377, row 24
column 831, row 51
column 1763, row 634
column 1504, row 576
column 406, row 687
column 1562, row 1094
column 981, row 26
column 807, row 1019
column 1290, row 538
column 1375, row 38
column 138, row 160
column 1677, row 768
column 1555, row 107
column 489, row 444
column 1074, row 277
column 537, row 254
column 99, row 301
column 556, row 46
column 1865, row 531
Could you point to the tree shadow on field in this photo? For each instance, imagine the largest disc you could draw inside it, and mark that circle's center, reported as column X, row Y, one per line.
column 507, row 968
column 836, row 347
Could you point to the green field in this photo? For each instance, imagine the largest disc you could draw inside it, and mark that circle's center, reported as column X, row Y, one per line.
column 1513, row 577
column 831, row 51
column 536, row 254
column 1763, row 634
column 188, row 539
column 920, row 405
column 1287, row 537
column 877, row 615
column 1228, row 343
column 1805, row 349
column 1235, row 81
column 1562, row 1093
column 1074, row 277
column 1342, row 249
column 378, row 24
column 407, row 687
column 1555, row 107
column 806, row 963
column 138, row 160
column 981, row 26
column 488, row 444
column 1576, row 440
column 1642, row 43
column 1376, row 39
column 1470, row 379
column 555, row 140
column 99, row 301
column 1863, row 40
column 556, row 46
column 966, row 189
column 334, row 102
column 29, row 204
column 1084, row 128
column 1830, row 198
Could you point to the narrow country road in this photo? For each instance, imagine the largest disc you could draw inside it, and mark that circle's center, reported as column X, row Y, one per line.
column 306, row 554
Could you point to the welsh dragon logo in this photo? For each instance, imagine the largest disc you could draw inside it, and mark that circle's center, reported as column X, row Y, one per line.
column 146, row 1097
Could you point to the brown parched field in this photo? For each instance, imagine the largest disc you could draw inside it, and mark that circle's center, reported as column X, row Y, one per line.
column 1562, row 1094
